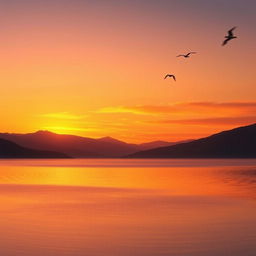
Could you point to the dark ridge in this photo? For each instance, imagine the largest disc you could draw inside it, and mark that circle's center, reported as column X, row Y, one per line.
column 237, row 143
column 9, row 149
column 76, row 146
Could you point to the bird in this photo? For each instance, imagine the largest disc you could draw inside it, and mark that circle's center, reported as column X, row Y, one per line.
column 186, row 55
column 169, row 75
column 229, row 37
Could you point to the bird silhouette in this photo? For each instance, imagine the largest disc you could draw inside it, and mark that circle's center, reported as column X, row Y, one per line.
column 229, row 37
column 168, row 75
column 186, row 55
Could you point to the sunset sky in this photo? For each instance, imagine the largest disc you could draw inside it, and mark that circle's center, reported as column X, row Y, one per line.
column 96, row 68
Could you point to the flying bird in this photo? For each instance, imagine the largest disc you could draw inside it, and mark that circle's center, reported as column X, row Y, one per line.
column 186, row 55
column 229, row 37
column 168, row 75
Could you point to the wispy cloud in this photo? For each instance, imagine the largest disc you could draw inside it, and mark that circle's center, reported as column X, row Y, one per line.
column 191, row 107
column 64, row 115
column 60, row 128
column 137, row 110
column 211, row 121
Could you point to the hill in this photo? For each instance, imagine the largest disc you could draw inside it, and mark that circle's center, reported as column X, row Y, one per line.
column 12, row 150
column 237, row 143
column 79, row 147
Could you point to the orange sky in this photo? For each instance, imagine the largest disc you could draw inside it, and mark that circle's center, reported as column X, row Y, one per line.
column 96, row 69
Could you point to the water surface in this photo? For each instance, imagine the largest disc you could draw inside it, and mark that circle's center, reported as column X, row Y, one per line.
column 127, row 207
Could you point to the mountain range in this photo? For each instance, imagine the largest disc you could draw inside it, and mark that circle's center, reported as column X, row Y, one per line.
column 80, row 147
column 236, row 143
column 9, row 149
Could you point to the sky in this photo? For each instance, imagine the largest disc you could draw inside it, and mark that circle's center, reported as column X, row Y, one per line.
column 96, row 68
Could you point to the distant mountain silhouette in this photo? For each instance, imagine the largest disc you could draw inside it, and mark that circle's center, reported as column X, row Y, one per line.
column 237, row 143
column 142, row 146
column 9, row 149
column 115, row 141
column 76, row 146
column 159, row 143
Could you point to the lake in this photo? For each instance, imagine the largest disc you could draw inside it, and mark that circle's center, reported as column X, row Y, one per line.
column 114, row 207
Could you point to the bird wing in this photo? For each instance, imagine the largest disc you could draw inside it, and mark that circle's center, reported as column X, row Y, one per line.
column 180, row 55
column 187, row 55
column 168, row 75
column 230, row 32
column 225, row 41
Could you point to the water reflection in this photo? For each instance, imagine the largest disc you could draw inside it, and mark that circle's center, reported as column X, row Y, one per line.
column 242, row 180
column 134, row 210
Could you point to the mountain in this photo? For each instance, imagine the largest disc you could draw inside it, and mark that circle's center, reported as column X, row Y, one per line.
column 159, row 143
column 73, row 146
column 113, row 141
column 76, row 146
column 237, row 143
column 9, row 149
column 142, row 146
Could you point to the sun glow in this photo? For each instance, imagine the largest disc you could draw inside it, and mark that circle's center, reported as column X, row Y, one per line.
column 64, row 130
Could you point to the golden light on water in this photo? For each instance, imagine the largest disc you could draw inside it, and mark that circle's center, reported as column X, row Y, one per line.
column 62, row 207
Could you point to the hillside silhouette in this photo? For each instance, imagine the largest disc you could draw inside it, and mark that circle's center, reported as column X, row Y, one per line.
column 79, row 147
column 9, row 149
column 237, row 143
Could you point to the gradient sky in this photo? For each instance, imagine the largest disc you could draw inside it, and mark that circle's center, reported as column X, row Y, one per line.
column 96, row 68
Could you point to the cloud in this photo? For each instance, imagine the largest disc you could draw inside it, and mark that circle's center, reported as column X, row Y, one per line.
column 221, row 104
column 61, row 128
column 64, row 115
column 240, row 120
column 190, row 107
column 137, row 110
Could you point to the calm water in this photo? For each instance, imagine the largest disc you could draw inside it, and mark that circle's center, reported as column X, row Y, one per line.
column 128, row 207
